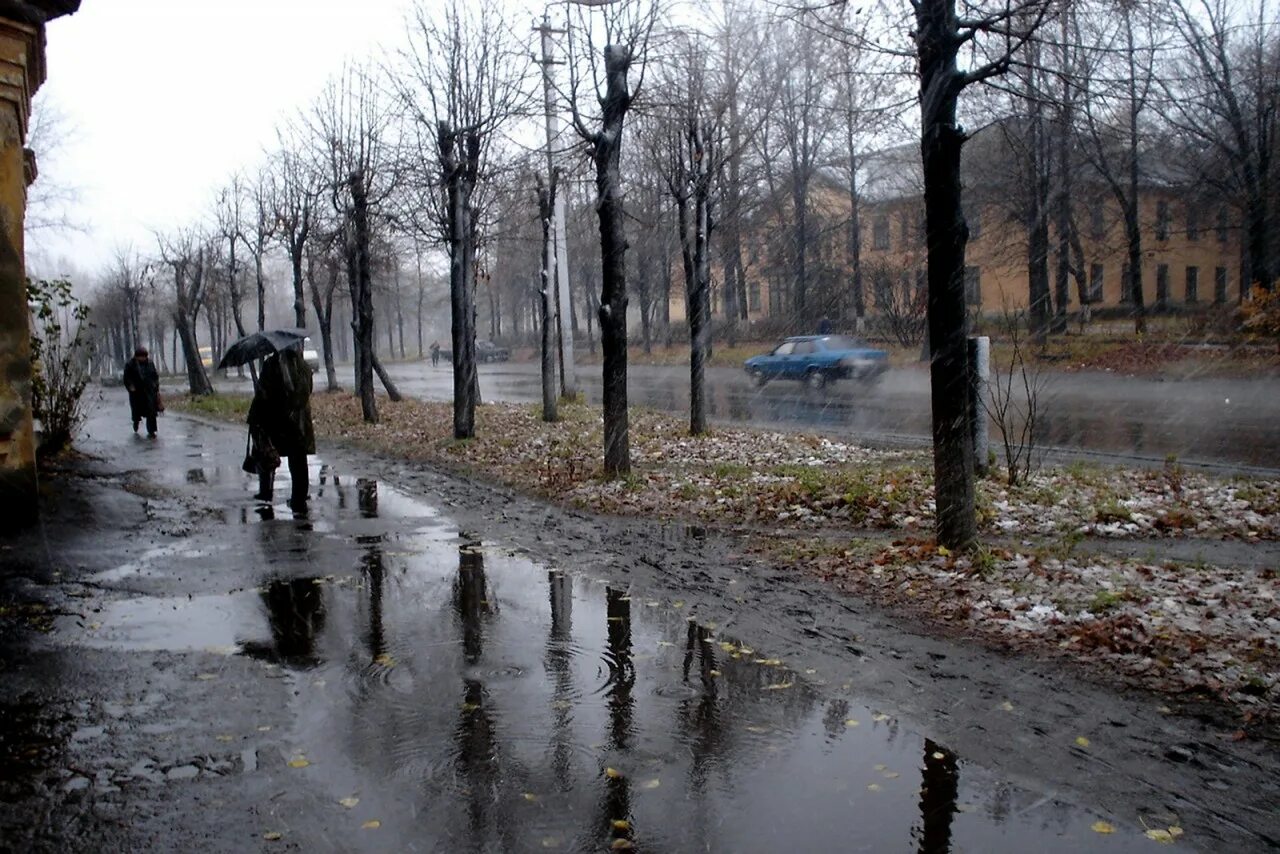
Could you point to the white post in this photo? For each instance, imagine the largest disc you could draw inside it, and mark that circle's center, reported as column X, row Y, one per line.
column 563, row 305
column 980, row 380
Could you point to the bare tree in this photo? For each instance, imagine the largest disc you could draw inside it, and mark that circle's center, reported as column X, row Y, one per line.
column 466, row 80
column 185, row 252
column 350, row 125
column 626, row 28
column 1121, row 80
column 1225, row 97
column 293, row 190
column 939, row 36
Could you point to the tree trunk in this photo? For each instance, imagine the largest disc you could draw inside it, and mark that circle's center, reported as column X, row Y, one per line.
column 197, row 379
column 461, row 283
column 393, row 393
column 546, row 297
column 364, row 303
column 607, row 150
column 937, row 42
column 700, row 298
column 1131, row 224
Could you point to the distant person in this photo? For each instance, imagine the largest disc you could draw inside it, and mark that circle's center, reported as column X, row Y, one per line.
column 435, row 353
column 824, row 327
column 280, row 424
column 143, row 382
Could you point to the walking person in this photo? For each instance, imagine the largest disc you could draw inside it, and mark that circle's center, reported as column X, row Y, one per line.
column 435, row 353
column 143, row 383
column 280, row 424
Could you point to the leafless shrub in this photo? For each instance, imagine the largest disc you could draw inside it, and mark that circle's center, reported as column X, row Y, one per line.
column 1016, row 396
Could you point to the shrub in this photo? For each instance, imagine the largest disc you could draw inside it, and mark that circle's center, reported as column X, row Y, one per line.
column 59, row 360
column 1260, row 313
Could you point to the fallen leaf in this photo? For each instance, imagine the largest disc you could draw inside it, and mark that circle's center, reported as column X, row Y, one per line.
column 550, row 841
column 879, row 717
column 1175, row 831
column 770, row 662
column 264, row 728
column 349, row 802
column 371, row 824
column 529, row 796
column 1006, row 706
column 944, row 551
column 1103, row 827
column 677, row 604
column 851, row 723
column 385, row 660
column 777, row 686
column 652, row 784
column 752, row 728
column 714, row 672
column 938, row 754
column 271, row 835
column 881, row 767
column 225, row 737
column 205, row 677
column 891, row 775
column 612, row 773
column 621, row 824
column 874, row 787
column 622, row 845
column 1160, row 835
column 1082, row 741
column 298, row 762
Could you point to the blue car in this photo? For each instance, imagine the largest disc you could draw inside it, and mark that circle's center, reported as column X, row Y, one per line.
column 818, row 360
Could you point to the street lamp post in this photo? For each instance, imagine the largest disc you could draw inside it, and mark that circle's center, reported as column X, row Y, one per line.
column 560, row 257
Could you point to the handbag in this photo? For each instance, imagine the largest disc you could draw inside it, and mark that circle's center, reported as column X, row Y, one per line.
column 249, row 465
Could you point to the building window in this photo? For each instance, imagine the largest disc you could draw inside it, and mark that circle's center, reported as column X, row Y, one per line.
column 753, row 294
column 1125, row 296
column 1097, row 221
column 1219, row 285
column 1223, row 224
column 1193, row 221
column 1162, row 285
column 973, row 286
column 1095, row 283
column 1162, row 220
column 1193, row 285
column 880, row 234
column 904, row 230
column 973, row 219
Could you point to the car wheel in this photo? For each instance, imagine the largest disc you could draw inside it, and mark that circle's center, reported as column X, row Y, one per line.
column 815, row 379
column 758, row 378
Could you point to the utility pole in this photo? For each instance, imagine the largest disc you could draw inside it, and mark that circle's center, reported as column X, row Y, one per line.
column 563, row 304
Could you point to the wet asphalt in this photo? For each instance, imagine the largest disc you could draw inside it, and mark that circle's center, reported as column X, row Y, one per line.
column 392, row 670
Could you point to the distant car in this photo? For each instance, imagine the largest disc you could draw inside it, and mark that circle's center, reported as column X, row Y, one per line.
column 487, row 351
column 206, row 356
column 818, row 360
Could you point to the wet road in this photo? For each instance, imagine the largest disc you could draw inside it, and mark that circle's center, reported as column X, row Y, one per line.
column 1224, row 423
column 383, row 677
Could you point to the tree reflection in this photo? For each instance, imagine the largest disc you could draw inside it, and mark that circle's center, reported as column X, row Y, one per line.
column 700, row 717
column 938, row 792
column 470, row 600
column 616, row 805
column 367, row 497
column 558, row 663
column 374, row 572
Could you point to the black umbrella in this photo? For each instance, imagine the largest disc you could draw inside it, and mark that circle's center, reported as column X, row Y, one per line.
column 259, row 344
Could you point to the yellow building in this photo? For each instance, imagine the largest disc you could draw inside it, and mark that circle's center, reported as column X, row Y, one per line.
column 1191, row 246
column 22, row 70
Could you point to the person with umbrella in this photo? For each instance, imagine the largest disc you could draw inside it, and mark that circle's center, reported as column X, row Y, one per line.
column 142, row 380
column 280, row 423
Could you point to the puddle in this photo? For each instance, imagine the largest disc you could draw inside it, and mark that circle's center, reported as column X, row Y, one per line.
column 476, row 700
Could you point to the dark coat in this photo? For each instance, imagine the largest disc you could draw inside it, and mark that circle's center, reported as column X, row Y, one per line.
column 143, row 381
column 281, row 408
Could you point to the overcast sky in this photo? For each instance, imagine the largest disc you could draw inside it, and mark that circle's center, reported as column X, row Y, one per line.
column 166, row 98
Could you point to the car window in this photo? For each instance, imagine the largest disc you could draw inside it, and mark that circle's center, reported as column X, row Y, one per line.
column 804, row 348
column 784, row 349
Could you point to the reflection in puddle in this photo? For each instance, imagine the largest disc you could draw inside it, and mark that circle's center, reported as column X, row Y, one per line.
column 478, row 701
